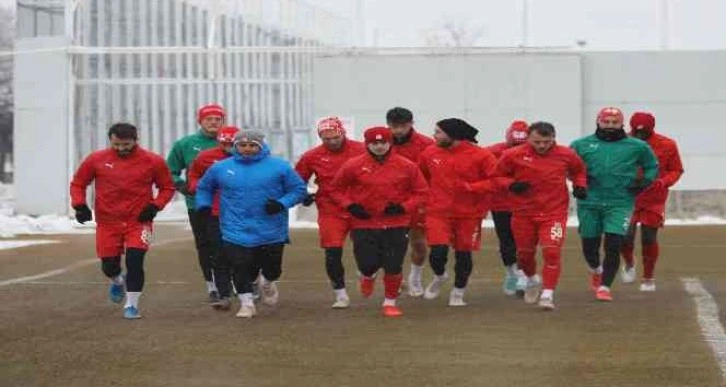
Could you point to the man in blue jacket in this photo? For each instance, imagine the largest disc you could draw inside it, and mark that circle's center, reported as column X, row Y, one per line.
column 256, row 190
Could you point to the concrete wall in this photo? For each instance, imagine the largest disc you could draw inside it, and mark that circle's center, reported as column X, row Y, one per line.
column 685, row 90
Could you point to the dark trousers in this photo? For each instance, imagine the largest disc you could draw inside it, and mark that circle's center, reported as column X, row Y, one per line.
column 246, row 263
column 503, row 227
column 380, row 248
column 111, row 267
column 221, row 266
column 202, row 242
column 611, row 263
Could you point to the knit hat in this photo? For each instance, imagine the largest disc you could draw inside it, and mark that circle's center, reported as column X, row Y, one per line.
column 643, row 120
column 458, row 129
column 226, row 134
column 252, row 136
column 210, row 110
column 517, row 132
column 610, row 112
column 378, row 133
column 333, row 124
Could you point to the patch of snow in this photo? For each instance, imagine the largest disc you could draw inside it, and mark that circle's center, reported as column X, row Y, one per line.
column 4, row 245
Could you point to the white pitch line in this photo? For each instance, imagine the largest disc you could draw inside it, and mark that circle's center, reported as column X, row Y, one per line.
column 75, row 265
column 708, row 318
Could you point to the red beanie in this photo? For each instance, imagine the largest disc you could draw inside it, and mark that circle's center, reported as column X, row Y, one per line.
column 644, row 120
column 333, row 124
column 226, row 134
column 517, row 132
column 210, row 110
column 610, row 112
column 378, row 133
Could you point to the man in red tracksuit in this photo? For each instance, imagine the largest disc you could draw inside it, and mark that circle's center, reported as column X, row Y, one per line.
column 124, row 176
column 536, row 174
column 408, row 143
column 334, row 222
column 650, row 204
column 381, row 190
column 219, row 263
column 459, row 173
column 514, row 280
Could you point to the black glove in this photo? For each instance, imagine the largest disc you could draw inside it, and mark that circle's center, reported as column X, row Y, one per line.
column 181, row 186
column 636, row 188
column 205, row 212
column 148, row 213
column 273, row 207
column 83, row 213
column 393, row 209
column 579, row 192
column 519, row 187
column 358, row 211
column 309, row 200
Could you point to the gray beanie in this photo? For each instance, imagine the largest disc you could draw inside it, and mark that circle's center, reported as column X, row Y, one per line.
column 253, row 136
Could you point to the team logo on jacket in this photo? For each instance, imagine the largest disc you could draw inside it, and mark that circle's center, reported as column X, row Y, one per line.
column 230, row 172
column 197, row 148
column 527, row 159
column 366, row 169
column 324, row 159
column 108, row 165
column 594, row 146
column 436, row 161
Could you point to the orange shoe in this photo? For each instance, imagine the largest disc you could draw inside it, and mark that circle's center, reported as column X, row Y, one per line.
column 365, row 286
column 595, row 281
column 604, row 295
column 392, row 311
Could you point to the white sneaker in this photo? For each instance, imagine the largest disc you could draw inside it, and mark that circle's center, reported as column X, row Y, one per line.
column 647, row 285
column 546, row 303
column 627, row 275
column 270, row 294
column 521, row 283
column 247, row 311
column 415, row 287
column 531, row 293
column 432, row 291
column 341, row 302
column 456, row 297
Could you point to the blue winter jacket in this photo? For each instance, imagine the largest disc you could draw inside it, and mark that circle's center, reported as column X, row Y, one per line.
column 245, row 184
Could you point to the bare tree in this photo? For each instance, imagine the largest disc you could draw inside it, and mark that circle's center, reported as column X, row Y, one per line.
column 455, row 33
column 7, row 34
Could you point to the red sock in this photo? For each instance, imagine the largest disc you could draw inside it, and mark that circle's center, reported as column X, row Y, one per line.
column 552, row 268
column 526, row 262
column 391, row 284
column 627, row 252
column 650, row 256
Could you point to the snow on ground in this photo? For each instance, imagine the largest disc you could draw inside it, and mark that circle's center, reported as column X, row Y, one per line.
column 4, row 245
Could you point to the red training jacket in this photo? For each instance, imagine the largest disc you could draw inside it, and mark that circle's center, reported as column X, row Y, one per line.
column 373, row 184
column 412, row 148
column 123, row 184
column 459, row 179
column 501, row 199
column 201, row 163
column 547, row 174
column 670, row 170
column 324, row 164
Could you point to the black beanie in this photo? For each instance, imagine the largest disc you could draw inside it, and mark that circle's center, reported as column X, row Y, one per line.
column 458, row 129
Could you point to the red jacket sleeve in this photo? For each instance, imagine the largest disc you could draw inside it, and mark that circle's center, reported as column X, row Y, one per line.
column 488, row 164
column 418, row 190
column 673, row 167
column 577, row 170
column 424, row 167
column 504, row 173
column 303, row 168
column 83, row 177
column 341, row 184
column 196, row 171
column 164, row 182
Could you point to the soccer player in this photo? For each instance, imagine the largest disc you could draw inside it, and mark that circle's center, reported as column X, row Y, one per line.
column 459, row 175
column 536, row 174
column 255, row 192
column 381, row 190
column 324, row 161
column 220, row 264
column 650, row 204
column 408, row 143
column 124, row 176
column 183, row 152
column 612, row 160
column 500, row 205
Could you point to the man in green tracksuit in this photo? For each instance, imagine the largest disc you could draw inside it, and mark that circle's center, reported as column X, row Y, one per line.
column 618, row 168
column 183, row 152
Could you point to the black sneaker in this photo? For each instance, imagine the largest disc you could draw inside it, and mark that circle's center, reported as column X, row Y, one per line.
column 224, row 303
column 214, row 299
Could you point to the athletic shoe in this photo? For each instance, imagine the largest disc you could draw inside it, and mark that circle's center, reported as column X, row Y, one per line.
column 247, row 311
column 415, row 287
column 392, row 311
column 510, row 285
column 269, row 294
column 595, row 281
column 546, row 303
column 214, row 299
column 627, row 275
column 131, row 313
column 341, row 302
column 366, row 285
column 116, row 292
column 521, row 284
column 224, row 304
column 432, row 291
column 456, row 297
column 532, row 292
column 603, row 294
column 647, row 285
